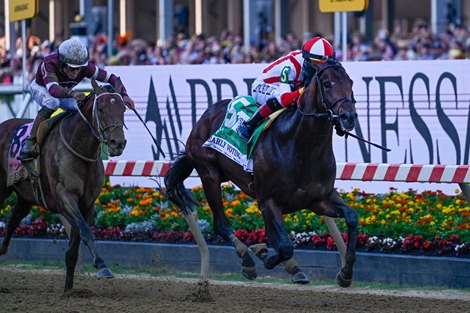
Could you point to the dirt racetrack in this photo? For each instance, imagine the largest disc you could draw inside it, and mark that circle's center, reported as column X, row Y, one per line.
column 42, row 291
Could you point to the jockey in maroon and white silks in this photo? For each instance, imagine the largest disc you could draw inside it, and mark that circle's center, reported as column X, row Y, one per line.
column 282, row 81
column 52, row 87
column 59, row 85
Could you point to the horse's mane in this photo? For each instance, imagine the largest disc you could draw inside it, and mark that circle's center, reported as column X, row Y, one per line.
column 108, row 88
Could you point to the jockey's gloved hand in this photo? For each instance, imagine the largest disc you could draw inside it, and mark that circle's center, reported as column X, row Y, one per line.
column 77, row 95
column 129, row 102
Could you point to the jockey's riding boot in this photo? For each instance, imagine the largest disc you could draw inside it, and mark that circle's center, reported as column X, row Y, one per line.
column 30, row 148
column 248, row 127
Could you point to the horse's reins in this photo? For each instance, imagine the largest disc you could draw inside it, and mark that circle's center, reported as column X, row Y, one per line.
column 98, row 135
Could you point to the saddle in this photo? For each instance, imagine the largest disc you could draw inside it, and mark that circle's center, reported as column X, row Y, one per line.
column 226, row 139
column 18, row 171
column 46, row 126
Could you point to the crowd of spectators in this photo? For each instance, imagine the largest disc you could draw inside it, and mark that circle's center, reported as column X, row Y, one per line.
column 418, row 44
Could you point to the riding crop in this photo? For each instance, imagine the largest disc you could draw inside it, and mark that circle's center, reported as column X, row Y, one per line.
column 154, row 140
column 371, row 143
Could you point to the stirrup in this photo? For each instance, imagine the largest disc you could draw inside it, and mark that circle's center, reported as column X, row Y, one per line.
column 28, row 153
column 244, row 131
column 27, row 156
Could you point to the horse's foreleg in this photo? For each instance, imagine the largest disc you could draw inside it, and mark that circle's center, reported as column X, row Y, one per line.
column 71, row 257
column 291, row 266
column 335, row 206
column 18, row 212
column 222, row 226
column 73, row 215
column 276, row 234
column 344, row 278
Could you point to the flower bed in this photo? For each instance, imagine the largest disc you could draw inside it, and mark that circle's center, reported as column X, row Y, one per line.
column 427, row 223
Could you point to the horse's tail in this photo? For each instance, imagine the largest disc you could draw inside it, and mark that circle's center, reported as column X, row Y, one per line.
column 180, row 169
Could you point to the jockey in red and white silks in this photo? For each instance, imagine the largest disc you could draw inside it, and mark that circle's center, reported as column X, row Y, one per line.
column 281, row 82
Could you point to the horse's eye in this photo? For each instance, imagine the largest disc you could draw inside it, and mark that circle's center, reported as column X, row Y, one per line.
column 327, row 84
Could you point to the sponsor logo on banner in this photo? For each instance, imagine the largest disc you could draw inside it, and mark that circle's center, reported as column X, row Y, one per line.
column 418, row 109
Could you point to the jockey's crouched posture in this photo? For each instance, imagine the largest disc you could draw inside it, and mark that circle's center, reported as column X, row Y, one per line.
column 280, row 83
column 52, row 87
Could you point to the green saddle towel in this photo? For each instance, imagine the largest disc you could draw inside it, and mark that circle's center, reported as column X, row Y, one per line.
column 226, row 139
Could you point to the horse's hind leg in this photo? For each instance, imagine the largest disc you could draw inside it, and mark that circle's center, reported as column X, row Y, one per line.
column 18, row 212
column 222, row 226
column 276, row 234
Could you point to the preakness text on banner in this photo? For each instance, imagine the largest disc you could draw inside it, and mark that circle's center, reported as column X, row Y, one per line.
column 418, row 109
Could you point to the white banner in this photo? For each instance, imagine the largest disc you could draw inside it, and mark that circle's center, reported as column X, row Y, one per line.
column 419, row 109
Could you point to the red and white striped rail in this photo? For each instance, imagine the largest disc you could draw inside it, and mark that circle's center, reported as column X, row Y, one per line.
column 345, row 171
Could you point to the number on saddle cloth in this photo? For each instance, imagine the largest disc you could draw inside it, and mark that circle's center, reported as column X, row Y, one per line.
column 16, row 170
column 19, row 137
column 240, row 109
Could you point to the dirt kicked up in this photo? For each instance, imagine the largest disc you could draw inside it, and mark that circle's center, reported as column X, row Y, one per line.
column 42, row 291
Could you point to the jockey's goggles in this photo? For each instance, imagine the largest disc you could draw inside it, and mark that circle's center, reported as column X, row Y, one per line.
column 317, row 57
column 73, row 68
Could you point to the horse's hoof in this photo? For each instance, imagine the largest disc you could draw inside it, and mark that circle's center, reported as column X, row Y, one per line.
column 259, row 249
column 343, row 282
column 300, row 278
column 249, row 272
column 104, row 273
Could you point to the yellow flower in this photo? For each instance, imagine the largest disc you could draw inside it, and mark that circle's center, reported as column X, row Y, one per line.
column 252, row 209
column 351, row 196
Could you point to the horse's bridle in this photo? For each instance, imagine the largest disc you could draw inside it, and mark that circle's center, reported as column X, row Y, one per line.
column 98, row 132
column 101, row 138
column 327, row 105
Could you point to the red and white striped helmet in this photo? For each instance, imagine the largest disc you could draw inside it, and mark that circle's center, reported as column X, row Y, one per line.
column 318, row 49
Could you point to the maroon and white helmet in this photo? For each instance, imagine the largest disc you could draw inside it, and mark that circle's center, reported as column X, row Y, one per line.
column 73, row 53
column 318, row 49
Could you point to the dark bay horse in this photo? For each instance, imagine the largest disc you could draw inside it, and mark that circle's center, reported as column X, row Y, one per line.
column 71, row 171
column 294, row 168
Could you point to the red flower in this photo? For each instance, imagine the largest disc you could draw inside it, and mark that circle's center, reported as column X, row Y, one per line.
column 330, row 243
column 426, row 244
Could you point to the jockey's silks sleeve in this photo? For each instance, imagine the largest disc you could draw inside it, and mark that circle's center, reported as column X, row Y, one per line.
column 289, row 97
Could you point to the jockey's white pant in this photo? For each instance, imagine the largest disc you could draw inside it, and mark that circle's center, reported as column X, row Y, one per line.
column 44, row 99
